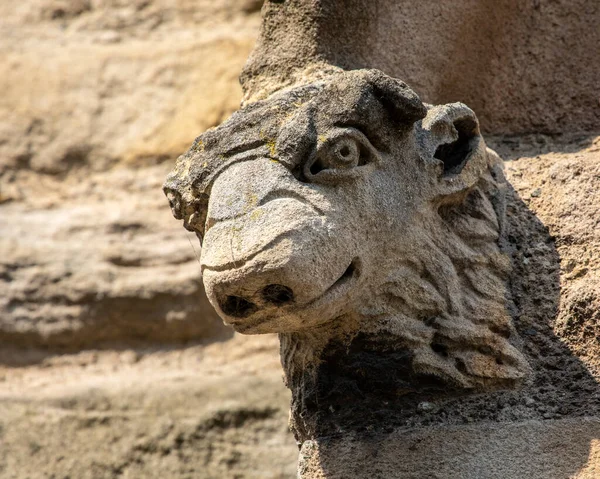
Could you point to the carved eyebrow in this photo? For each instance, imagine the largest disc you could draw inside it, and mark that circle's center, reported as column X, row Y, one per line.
column 362, row 127
column 245, row 147
column 351, row 124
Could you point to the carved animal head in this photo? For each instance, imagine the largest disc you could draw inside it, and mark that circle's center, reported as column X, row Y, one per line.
column 350, row 198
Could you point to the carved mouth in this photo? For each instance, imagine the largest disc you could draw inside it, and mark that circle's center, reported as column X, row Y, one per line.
column 342, row 285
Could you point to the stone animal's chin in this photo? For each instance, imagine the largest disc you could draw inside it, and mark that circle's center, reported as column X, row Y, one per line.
column 275, row 308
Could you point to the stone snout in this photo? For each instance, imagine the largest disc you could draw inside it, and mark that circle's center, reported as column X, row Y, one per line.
column 273, row 258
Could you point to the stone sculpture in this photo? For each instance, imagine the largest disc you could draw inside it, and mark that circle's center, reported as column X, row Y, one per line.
column 366, row 228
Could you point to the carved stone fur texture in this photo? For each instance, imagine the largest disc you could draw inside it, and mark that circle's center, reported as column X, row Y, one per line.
column 366, row 228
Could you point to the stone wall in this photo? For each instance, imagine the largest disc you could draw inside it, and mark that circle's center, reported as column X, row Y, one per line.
column 522, row 66
column 98, row 98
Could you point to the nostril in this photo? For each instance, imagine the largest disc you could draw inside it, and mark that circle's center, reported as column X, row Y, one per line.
column 277, row 294
column 237, row 307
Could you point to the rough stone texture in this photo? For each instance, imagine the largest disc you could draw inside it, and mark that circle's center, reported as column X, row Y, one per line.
column 559, row 186
column 95, row 82
column 522, row 66
column 211, row 412
column 98, row 261
column 331, row 175
column 97, row 96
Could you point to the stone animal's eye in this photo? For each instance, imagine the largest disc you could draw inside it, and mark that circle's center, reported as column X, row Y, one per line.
column 343, row 153
column 336, row 155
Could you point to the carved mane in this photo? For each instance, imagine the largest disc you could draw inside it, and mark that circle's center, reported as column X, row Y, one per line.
column 450, row 304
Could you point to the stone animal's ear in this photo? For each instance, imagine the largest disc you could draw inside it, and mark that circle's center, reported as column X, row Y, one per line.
column 452, row 142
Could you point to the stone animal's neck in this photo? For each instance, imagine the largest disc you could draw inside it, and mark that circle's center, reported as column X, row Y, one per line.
column 351, row 382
